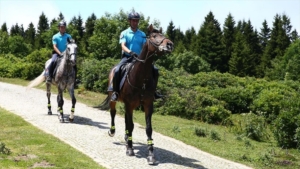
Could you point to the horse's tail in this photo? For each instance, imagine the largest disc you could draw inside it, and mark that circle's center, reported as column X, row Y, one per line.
column 37, row 80
column 105, row 104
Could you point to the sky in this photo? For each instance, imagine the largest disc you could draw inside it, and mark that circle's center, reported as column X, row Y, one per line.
column 183, row 13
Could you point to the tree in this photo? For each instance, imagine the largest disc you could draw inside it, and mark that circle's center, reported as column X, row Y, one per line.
column 264, row 35
column 30, row 34
column 294, row 35
column 238, row 63
column 189, row 37
column 4, row 27
column 171, row 31
column 42, row 27
column 4, row 46
column 252, row 41
column 210, row 47
column 279, row 41
column 228, row 39
column 90, row 25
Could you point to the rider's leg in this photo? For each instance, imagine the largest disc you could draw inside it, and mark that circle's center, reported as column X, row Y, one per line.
column 50, row 68
column 157, row 95
column 116, row 78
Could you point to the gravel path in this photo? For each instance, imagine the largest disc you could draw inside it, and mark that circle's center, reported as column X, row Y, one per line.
column 89, row 135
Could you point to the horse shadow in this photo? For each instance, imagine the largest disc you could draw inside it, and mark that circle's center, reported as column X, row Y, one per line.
column 164, row 156
column 84, row 121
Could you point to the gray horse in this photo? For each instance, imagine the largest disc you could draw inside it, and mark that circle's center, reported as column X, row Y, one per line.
column 64, row 78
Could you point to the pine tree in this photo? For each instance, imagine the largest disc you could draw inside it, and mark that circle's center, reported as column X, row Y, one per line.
column 228, row 39
column 171, row 31
column 189, row 37
column 60, row 17
column 294, row 35
column 210, row 46
column 252, row 41
column 42, row 28
column 4, row 27
column 43, row 25
column 264, row 35
column 90, row 25
column 30, row 34
column 279, row 41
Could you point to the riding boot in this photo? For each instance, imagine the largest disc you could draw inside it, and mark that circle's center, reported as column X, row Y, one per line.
column 50, row 72
column 157, row 95
column 115, row 95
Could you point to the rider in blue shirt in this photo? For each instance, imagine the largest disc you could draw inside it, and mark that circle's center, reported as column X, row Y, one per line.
column 132, row 41
column 59, row 42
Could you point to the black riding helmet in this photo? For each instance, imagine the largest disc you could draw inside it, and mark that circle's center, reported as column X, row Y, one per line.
column 62, row 23
column 133, row 15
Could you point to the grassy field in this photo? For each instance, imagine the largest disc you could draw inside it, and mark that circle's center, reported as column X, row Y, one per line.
column 24, row 146
column 218, row 140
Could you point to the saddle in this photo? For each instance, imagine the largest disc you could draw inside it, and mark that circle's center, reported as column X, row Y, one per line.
column 124, row 69
column 56, row 65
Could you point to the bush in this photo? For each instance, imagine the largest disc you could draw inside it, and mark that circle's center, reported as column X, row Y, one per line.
column 255, row 127
column 286, row 128
column 95, row 74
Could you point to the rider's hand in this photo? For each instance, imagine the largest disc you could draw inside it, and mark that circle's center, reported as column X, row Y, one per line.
column 61, row 55
column 133, row 54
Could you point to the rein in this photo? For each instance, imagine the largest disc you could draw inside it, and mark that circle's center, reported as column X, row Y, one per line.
column 157, row 47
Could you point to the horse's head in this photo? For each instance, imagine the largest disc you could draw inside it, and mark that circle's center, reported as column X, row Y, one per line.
column 159, row 43
column 71, row 51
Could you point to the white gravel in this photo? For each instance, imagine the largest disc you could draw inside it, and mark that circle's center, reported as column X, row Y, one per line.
column 89, row 135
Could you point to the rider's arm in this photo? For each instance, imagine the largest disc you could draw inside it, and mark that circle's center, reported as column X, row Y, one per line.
column 56, row 49
column 124, row 48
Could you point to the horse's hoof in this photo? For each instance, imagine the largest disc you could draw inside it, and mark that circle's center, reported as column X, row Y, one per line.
column 71, row 120
column 151, row 160
column 111, row 134
column 61, row 118
column 130, row 152
column 126, row 137
column 49, row 112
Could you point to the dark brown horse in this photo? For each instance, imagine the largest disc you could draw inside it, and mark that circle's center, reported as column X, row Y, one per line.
column 139, row 88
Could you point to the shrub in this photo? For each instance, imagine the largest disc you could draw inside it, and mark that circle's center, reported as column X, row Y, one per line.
column 95, row 74
column 286, row 128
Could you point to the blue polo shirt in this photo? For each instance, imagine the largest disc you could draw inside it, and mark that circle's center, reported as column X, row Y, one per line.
column 61, row 41
column 134, row 41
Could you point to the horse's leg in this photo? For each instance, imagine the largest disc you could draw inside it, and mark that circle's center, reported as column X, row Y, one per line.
column 60, row 102
column 112, row 129
column 129, row 127
column 148, row 117
column 48, row 96
column 71, row 92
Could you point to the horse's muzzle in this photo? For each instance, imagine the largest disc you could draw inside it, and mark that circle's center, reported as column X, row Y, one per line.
column 168, row 48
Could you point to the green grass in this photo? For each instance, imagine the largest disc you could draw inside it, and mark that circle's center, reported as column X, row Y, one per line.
column 25, row 146
column 225, row 142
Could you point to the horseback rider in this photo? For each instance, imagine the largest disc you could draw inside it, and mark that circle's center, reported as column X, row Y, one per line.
column 132, row 40
column 59, row 42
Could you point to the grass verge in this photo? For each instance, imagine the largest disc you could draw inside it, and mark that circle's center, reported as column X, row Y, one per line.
column 225, row 142
column 24, row 146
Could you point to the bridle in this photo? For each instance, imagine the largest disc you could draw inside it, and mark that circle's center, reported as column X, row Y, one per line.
column 157, row 46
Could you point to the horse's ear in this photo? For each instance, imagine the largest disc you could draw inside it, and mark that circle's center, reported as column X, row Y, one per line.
column 160, row 30
column 150, row 28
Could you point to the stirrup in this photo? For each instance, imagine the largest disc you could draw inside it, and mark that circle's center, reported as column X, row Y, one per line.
column 114, row 97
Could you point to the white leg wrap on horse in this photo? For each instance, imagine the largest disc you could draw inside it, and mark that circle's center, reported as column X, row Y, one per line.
column 72, row 115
